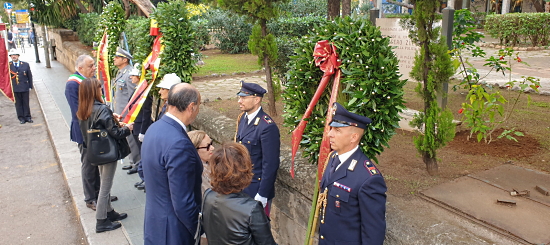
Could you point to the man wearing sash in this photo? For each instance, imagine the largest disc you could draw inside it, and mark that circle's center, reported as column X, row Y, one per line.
column 85, row 67
column 260, row 135
column 355, row 206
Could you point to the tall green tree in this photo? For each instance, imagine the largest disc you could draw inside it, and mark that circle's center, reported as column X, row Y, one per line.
column 432, row 67
column 261, row 42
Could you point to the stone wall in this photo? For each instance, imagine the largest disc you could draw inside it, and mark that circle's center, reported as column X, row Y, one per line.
column 67, row 47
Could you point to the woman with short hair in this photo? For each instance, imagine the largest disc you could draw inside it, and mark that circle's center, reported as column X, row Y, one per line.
column 230, row 216
column 92, row 111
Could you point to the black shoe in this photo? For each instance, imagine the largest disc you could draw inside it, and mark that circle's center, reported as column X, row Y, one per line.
column 22, row 121
column 29, row 120
column 132, row 171
column 114, row 216
column 114, row 198
column 91, row 205
column 138, row 183
column 127, row 167
column 141, row 187
column 106, row 225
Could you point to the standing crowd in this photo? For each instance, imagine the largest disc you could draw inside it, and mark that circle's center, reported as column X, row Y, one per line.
column 193, row 187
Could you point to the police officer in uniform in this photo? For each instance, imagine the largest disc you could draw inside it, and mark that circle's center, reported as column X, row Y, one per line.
column 21, row 82
column 124, row 88
column 260, row 135
column 355, row 191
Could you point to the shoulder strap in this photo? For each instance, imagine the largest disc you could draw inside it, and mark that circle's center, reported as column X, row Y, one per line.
column 198, row 232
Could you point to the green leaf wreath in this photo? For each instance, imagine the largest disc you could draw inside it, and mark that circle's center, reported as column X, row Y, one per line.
column 370, row 84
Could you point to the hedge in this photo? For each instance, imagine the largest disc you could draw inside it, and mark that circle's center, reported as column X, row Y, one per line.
column 516, row 28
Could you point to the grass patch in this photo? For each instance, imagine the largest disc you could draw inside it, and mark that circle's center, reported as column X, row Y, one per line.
column 219, row 63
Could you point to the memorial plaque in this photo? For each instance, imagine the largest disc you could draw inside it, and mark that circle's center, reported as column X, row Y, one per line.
column 404, row 48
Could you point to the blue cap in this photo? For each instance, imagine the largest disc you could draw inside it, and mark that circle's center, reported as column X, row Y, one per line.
column 343, row 118
column 251, row 89
column 123, row 53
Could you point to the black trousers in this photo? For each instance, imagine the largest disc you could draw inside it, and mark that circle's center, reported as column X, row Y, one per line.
column 22, row 105
column 91, row 181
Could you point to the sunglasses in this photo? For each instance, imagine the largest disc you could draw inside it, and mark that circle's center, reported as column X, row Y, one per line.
column 207, row 147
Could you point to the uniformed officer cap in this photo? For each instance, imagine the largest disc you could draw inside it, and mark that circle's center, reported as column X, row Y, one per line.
column 13, row 53
column 123, row 53
column 343, row 118
column 251, row 89
column 134, row 72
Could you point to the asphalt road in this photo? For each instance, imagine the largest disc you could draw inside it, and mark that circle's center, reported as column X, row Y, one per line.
column 35, row 204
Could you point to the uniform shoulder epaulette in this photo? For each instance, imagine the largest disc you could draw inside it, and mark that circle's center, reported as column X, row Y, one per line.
column 268, row 119
column 371, row 168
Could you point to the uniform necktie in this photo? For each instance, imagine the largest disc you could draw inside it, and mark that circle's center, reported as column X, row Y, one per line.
column 17, row 64
column 334, row 164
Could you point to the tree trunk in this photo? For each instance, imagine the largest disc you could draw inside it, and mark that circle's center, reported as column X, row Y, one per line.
column 431, row 163
column 537, row 6
column 268, row 76
column 126, row 9
column 81, row 7
column 346, row 7
column 333, row 9
column 145, row 5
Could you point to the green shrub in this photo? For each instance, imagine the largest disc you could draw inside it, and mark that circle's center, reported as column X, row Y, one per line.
column 531, row 28
column 201, row 32
column 369, row 86
column 302, row 8
column 230, row 31
column 86, row 27
column 139, row 41
column 294, row 26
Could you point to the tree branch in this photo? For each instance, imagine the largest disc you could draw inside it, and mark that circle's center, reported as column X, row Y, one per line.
column 145, row 5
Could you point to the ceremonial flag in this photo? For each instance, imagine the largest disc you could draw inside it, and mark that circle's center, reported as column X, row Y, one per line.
column 103, row 66
column 326, row 57
column 152, row 62
column 5, row 81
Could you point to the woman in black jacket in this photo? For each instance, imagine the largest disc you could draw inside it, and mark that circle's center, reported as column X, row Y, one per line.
column 92, row 111
column 230, row 216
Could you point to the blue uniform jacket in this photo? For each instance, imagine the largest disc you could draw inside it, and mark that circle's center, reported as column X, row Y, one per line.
column 143, row 119
column 24, row 77
column 173, row 173
column 261, row 138
column 356, row 203
column 71, row 93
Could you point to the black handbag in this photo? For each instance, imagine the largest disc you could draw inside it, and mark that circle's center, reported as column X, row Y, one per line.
column 101, row 148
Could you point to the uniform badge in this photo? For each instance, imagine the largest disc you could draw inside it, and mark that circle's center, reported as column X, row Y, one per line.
column 343, row 187
column 334, row 109
column 371, row 168
column 352, row 165
column 267, row 119
column 257, row 121
column 337, row 204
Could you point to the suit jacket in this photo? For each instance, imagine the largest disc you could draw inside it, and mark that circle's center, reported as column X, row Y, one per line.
column 261, row 138
column 143, row 119
column 356, row 203
column 71, row 93
column 23, row 81
column 173, row 171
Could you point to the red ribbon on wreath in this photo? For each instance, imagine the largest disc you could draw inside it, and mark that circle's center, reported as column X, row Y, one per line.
column 326, row 58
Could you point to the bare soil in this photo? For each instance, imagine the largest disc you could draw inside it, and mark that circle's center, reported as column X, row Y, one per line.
column 403, row 168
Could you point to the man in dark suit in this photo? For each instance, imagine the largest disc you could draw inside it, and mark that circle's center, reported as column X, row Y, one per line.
column 260, row 135
column 21, row 82
column 85, row 67
column 355, row 207
column 173, row 171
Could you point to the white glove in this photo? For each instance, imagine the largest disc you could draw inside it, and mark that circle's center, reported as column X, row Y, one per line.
column 140, row 137
column 261, row 199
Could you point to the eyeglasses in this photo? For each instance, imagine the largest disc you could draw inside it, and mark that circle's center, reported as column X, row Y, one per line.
column 207, row 147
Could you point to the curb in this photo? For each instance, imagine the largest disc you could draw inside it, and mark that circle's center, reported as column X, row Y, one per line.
column 68, row 157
